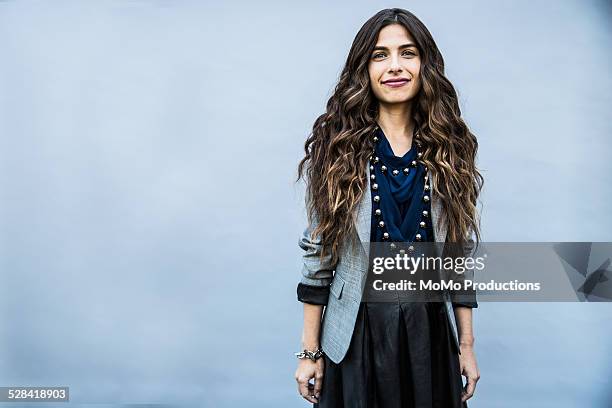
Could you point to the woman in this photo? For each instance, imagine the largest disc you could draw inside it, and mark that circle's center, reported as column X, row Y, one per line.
column 390, row 160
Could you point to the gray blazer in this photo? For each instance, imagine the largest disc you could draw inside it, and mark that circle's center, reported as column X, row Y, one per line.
column 347, row 277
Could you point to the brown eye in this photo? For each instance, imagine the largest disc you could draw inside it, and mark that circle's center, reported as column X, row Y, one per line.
column 378, row 54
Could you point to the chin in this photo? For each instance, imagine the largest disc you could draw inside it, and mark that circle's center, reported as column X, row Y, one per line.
column 396, row 100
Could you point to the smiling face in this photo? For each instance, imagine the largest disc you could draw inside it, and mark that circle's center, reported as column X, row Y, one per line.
column 394, row 66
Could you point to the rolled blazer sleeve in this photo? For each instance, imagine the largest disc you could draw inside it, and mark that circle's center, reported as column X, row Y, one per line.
column 317, row 274
column 315, row 295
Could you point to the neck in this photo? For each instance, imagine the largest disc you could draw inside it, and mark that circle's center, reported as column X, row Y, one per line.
column 396, row 122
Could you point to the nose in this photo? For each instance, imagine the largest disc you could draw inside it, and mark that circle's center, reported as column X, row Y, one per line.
column 394, row 64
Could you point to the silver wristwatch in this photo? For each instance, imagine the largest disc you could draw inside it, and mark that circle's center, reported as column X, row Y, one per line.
column 312, row 355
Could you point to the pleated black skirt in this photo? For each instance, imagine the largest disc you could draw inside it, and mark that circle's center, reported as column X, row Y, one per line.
column 401, row 355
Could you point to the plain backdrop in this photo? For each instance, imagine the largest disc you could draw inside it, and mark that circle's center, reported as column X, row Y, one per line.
column 148, row 212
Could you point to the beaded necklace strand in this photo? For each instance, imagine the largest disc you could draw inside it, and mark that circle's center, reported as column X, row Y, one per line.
column 375, row 161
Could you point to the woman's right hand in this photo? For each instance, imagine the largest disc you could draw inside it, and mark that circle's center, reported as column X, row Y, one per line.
column 306, row 370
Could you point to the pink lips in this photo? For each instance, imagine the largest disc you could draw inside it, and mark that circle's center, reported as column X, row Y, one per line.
column 396, row 83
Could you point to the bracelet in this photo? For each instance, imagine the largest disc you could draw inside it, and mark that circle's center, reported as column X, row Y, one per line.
column 311, row 355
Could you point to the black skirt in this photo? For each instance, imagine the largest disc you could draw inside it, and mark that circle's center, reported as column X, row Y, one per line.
column 401, row 355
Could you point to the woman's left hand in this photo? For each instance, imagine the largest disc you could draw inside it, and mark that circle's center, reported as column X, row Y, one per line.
column 469, row 369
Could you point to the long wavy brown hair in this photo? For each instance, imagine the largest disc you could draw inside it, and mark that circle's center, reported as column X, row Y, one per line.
column 339, row 147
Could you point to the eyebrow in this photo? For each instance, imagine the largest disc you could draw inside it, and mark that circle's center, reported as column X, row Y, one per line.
column 383, row 48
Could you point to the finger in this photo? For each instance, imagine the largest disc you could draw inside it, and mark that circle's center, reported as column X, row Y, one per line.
column 307, row 391
column 318, row 383
column 303, row 386
column 311, row 394
column 469, row 389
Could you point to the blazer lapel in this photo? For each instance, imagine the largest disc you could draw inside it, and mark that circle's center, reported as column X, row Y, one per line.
column 364, row 214
column 439, row 225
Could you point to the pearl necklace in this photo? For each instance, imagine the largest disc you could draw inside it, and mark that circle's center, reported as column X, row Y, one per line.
column 375, row 162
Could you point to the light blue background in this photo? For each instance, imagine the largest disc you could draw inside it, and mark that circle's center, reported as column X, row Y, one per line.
column 149, row 220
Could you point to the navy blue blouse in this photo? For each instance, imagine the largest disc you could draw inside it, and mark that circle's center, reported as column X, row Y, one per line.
column 401, row 205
